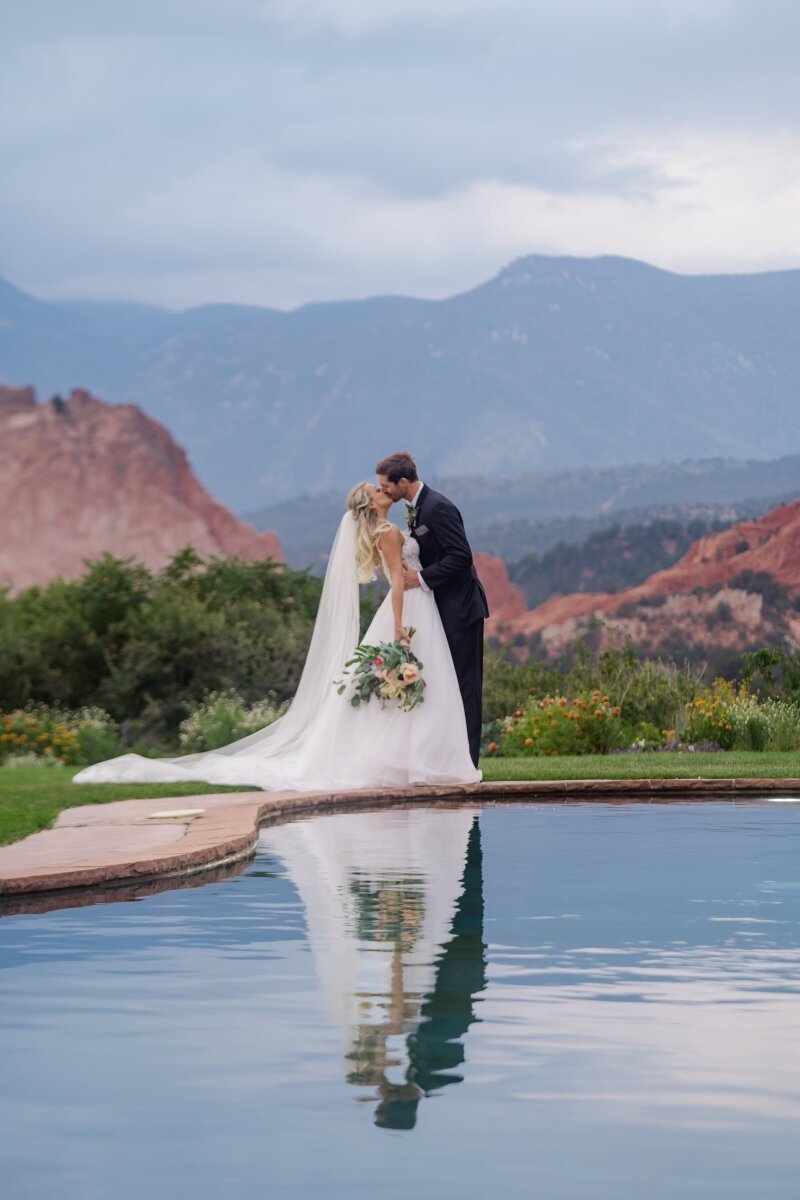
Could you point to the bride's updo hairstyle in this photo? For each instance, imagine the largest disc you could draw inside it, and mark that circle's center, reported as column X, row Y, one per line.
column 368, row 530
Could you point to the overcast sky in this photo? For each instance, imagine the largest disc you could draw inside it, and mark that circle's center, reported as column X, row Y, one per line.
column 281, row 151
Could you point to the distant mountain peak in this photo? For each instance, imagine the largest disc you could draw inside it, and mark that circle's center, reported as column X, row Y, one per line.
column 556, row 363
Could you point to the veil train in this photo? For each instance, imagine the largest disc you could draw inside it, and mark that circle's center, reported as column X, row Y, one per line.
column 335, row 635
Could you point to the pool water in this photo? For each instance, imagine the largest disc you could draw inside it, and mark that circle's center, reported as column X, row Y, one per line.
column 559, row 1001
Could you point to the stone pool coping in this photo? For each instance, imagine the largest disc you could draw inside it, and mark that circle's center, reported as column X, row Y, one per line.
column 122, row 843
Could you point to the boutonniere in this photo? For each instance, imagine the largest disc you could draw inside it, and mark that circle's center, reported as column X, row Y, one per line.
column 411, row 516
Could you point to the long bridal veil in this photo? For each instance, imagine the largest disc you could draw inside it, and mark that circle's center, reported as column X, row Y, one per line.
column 332, row 642
column 335, row 635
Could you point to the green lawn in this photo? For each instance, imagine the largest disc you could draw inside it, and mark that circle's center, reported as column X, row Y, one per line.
column 732, row 764
column 32, row 797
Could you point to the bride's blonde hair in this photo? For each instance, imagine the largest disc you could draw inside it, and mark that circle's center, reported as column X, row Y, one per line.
column 369, row 527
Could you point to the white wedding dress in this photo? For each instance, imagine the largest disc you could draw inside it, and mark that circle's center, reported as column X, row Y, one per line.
column 380, row 891
column 323, row 742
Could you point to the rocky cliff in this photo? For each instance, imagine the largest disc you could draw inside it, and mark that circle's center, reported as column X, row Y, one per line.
column 506, row 602
column 735, row 589
column 79, row 477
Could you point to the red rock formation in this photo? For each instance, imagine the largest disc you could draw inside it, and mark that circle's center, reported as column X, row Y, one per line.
column 769, row 545
column 506, row 602
column 81, row 477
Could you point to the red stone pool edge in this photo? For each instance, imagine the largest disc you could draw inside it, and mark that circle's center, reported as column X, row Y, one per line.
column 123, row 843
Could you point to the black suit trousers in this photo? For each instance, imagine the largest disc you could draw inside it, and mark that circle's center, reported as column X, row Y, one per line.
column 466, row 647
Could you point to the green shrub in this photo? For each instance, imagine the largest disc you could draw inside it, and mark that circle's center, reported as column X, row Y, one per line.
column 556, row 725
column 773, row 671
column 709, row 718
column 647, row 690
column 52, row 733
column 783, row 720
column 645, row 736
column 144, row 646
column 508, row 685
column 750, row 723
column 223, row 717
column 29, row 758
column 764, row 725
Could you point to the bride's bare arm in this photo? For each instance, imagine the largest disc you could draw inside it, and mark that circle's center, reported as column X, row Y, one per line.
column 391, row 543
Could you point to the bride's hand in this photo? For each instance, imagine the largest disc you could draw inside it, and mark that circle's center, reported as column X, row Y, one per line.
column 400, row 634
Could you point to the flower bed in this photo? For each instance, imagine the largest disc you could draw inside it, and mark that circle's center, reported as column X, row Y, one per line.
column 41, row 733
column 720, row 717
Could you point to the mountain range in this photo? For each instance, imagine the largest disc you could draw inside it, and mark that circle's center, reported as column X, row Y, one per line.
column 516, row 516
column 732, row 590
column 553, row 364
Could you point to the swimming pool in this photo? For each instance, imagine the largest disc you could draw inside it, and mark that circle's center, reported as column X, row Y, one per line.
column 561, row 1001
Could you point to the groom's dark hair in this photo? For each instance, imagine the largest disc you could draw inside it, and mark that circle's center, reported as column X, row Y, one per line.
column 398, row 466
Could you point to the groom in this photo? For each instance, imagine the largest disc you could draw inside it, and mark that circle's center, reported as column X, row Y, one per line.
column 448, row 572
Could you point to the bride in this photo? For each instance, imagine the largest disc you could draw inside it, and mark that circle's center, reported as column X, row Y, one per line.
column 322, row 741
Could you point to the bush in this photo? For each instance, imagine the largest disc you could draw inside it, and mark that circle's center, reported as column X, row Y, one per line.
column 144, row 646
column 773, row 671
column 556, row 725
column 764, row 725
column 647, row 737
column 647, row 690
column 508, row 685
column 54, row 734
column 29, row 758
column 709, row 718
column 750, row 723
column 783, row 723
column 223, row 717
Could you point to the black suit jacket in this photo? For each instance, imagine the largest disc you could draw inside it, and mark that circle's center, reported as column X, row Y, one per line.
column 446, row 558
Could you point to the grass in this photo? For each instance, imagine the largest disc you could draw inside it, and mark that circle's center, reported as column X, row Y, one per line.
column 731, row 764
column 32, row 797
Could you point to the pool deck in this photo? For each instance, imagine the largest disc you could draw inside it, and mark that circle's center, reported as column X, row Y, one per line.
column 124, row 843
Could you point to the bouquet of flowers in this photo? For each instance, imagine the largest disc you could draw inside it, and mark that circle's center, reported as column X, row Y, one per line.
column 389, row 671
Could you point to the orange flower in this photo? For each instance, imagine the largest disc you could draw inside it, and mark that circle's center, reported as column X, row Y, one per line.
column 528, row 741
column 492, row 747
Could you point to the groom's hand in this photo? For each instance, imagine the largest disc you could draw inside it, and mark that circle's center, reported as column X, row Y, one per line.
column 410, row 580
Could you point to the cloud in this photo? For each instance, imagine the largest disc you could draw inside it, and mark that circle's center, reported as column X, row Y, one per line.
column 363, row 18
column 276, row 151
column 281, row 238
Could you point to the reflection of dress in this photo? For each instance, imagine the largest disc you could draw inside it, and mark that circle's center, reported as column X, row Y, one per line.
column 343, row 747
column 388, row 898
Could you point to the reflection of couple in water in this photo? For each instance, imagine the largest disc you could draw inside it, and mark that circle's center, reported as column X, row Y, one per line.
column 394, row 906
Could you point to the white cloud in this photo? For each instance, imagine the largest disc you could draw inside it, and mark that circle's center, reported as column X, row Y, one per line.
column 361, row 18
column 280, row 238
column 276, row 151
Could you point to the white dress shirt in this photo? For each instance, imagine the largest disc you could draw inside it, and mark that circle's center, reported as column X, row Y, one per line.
column 412, row 504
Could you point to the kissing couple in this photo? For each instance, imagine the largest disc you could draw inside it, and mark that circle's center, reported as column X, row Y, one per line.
column 323, row 742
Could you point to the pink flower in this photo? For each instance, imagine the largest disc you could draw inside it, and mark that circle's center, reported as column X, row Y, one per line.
column 379, row 662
